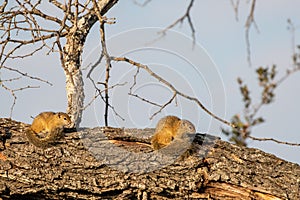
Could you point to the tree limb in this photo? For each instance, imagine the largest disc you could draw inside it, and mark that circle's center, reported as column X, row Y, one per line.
column 170, row 86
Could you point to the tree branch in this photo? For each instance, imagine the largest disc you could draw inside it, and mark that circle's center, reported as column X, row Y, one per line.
column 187, row 16
column 142, row 4
column 170, row 86
column 273, row 140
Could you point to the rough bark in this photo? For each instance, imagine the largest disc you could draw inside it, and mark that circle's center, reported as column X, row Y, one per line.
column 72, row 59
column 107, row 163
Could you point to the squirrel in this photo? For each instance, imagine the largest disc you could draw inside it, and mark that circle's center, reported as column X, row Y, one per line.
column 47, row 128
column 169, row 128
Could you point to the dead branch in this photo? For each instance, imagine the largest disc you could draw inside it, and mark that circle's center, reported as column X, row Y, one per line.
column 180, row 20
column 107, row 59
column 59, row 5
column 145, row 100
column 249, row 22
column 24, row 19
column 273, row 140
column 146, row 2
column 27, row 75
column 2, row 7
column 13, row 91
column 131, row 93
column 100, row 92
column 235, row 6
column 171, row 87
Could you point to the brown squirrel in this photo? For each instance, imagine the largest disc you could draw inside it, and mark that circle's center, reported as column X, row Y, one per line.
column 168, row 128
column 47, row 128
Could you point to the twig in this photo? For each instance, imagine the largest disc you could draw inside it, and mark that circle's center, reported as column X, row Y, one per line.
column 145, row 100
column 142, row 4
column 2, row 7
column 27, row 75
column 273, row 140
column 99, row 92
column 236, row 8
column 165, row 105
column 107, row 59
column 12, row 92
column 134, row 80
column 249, row 22
column 181, row 19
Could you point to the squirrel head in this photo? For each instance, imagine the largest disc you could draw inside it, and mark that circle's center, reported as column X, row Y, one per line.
column 64, row 119
column 185, row 126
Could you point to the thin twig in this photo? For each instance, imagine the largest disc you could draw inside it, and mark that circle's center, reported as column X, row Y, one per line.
column 165, row 105
column 180, row 20
column 107, row 59
column 101, row 91
column 273, row 140
column 145, row 100
column 27, row 75
column 142, row 4
column 236, row 8
column 249, row 22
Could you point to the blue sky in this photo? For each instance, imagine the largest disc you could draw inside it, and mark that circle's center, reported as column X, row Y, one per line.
column 221, row 40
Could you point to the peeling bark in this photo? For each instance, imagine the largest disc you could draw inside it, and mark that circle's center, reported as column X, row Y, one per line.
column 72, row 60
column 88, row 165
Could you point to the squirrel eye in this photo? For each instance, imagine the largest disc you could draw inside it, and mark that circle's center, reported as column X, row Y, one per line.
column 65, row 118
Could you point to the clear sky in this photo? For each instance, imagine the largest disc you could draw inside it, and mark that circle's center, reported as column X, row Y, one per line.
column 209, row 71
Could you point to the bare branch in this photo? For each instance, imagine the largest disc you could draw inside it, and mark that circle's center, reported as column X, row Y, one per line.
column 181, row 19
column 100, row 92
column 145, row 100
column 274, row 140
column 10, row 80
column 136, row 95
column 292, row 29
column 58, row 5
column 24, row 88
column 27, row 75
column 250, row 18
column 105, row 54
column 249, row 22
column 235, row 6
column 12, row 94
column 13, row 91
column 107, row 59
column 141, row 4
column 165, row 105
column 85, row 6
column 2, row 7
column 170, row 86
column 134, row 80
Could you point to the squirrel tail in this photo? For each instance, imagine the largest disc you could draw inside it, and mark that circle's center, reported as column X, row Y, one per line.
column 42, row 142
column 155, row 143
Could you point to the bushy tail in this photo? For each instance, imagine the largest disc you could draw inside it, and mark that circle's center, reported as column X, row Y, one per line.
column 45, row 142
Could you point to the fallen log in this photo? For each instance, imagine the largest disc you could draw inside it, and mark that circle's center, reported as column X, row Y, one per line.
column 113, row 163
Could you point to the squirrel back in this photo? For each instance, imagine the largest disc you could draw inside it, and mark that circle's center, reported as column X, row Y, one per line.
column 168, row 128
column 47, row 128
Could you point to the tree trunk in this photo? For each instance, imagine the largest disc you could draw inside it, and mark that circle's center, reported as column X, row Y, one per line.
column 107, row 163
column 72, row 60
